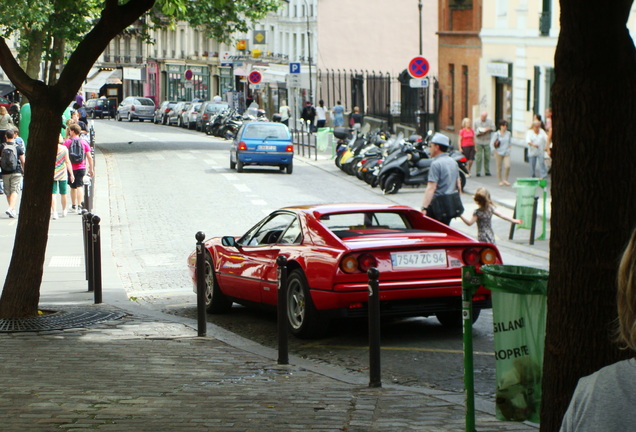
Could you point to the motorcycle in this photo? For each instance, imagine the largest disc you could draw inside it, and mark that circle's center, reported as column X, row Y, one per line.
column 410, row 166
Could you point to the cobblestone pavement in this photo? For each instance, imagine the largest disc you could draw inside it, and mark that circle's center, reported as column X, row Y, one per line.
column 142, row 374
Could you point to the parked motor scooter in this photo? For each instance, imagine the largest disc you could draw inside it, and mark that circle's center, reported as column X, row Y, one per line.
column 411, row 165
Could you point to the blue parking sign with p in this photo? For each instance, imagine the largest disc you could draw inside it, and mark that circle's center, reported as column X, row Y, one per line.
column 294, row 68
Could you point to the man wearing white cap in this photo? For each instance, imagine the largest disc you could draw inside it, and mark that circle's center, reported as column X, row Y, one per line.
column 443, row 183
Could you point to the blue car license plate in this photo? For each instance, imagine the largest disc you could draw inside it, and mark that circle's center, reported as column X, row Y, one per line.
column 266, row 147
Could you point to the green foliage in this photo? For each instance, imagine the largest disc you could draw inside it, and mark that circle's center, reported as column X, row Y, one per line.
column 72, row 19
column 67, row 19
column 219, row 19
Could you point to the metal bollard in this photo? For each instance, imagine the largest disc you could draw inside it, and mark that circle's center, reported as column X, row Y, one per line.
column 97, row 259
column 200, row 271
column 85, row 238
column 283, row 346
column 90, row 269
column 375, row 379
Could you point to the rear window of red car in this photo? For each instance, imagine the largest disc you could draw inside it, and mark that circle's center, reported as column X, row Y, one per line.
column 365, row 223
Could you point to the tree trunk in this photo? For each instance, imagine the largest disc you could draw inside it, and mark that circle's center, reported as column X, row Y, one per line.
column 21, row 291
column 57, row 59
column 36, row 48
column 593, row 187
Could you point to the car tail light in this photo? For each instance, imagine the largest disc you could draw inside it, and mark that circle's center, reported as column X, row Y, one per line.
column 132, row 107
column 488, row 256
column 167, row 110
column 204, row 116
column 366, row 261
column 351, row 263
column 242, row 146
column 471, row 256
column 463, row 159
column 479, row 256
column 290, row 148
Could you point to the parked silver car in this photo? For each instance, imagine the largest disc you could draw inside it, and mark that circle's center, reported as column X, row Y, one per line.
column 136, row 108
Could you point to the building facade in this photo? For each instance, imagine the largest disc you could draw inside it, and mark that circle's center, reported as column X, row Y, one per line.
column 460, row 49
column 516, row 70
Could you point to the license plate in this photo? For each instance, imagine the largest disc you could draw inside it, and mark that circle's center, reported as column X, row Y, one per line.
column 419, row 259
column 266, row 147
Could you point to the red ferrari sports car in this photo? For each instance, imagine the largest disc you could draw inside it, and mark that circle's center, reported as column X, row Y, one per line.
column 329, row 249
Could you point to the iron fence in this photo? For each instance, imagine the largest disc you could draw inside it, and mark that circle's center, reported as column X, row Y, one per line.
column 380, row 95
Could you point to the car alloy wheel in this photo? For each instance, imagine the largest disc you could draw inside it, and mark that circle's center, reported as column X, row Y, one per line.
column 215, row 301
column 302, row 316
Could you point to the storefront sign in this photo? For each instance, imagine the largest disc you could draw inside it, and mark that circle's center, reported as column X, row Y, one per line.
column 132, row 73
column 498, row 69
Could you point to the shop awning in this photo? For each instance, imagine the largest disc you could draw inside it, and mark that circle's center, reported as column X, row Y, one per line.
column 5, row 89
column 240, row 72
column 272, row 75
column 101, row 78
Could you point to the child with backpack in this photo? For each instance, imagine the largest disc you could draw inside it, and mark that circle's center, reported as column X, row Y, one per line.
column 62, row 176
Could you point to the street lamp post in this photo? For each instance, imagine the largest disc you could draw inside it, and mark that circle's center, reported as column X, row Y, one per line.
column 308, row 49
column 419, row 6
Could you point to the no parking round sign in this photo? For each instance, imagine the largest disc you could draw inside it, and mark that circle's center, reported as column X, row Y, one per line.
column 255, row 77
column 418, row 67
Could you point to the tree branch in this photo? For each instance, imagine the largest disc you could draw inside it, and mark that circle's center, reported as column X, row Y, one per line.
column 115, row 18
column 16, row 74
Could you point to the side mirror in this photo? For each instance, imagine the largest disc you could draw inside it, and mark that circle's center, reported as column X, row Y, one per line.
column 229, row 241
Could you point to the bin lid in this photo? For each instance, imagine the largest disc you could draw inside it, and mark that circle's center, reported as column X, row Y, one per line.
column 515, row 279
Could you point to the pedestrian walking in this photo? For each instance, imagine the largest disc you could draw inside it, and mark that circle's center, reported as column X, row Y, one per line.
column 12, row 165
column 62, row 176
column 338, row 114
column 79, row 154
column 536, row 140
column 484, row 127
column 605, row 400
column 308, row 115
column 356, row 118
column 483, row 216
column 5, row 123
column 321, row 115
column 441, row 197
column 285, row 113
column 502, row 147
column 467, row 142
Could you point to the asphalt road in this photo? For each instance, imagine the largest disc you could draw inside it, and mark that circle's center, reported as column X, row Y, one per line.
column 168, row 183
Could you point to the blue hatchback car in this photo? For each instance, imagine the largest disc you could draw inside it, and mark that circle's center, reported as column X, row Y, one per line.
column 262, row 143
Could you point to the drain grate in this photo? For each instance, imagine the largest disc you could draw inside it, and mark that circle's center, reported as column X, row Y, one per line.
column 58, row 320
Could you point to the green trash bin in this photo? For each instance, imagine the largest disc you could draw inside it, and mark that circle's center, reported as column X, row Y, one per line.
column 519, row 305
column 524, row 207
column 324, row 139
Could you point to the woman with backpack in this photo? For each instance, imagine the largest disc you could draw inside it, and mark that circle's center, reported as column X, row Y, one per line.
column 79, row 151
